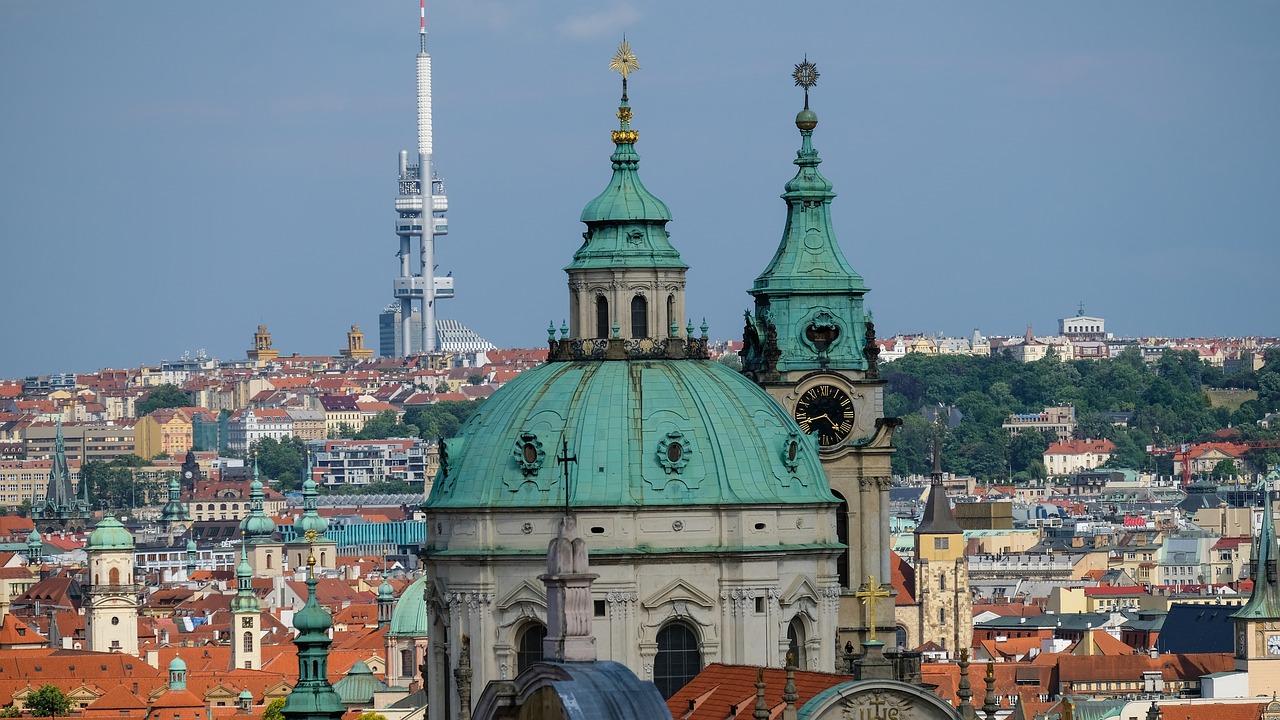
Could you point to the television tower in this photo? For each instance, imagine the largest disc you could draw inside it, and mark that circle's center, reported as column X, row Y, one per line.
column 420, row 208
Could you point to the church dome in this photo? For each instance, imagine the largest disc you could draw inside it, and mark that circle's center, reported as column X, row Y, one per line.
column 312, row 618
column 310, row 519
column 110, row 535
column 256, row 526
column 644, row 432
column 409, row 619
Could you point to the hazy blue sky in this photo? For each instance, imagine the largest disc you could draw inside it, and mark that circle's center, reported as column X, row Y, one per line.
column 174, row 174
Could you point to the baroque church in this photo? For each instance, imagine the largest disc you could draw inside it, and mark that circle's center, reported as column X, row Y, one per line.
column 738, row 518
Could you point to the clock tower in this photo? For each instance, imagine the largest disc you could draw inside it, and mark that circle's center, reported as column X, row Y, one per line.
column 811, row 345
column 1258, row 622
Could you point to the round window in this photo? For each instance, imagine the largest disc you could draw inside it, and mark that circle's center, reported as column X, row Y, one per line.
column 115, row 621
column 530, row 453
column 675, row 451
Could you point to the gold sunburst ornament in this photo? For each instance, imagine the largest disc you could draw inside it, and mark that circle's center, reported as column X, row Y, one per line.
column 806, row 76
column 624, row 61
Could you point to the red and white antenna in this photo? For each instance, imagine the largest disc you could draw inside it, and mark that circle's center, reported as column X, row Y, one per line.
column 422, row 24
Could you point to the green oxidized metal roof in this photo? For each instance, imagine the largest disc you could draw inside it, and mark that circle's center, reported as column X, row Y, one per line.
column 1264, row 602
column 358, row 685
column 808, row 260
column 620, row 419
column 409, row 619
column 626, row 224
column 110, row 535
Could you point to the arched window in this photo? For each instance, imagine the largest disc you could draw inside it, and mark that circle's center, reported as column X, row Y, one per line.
column 407, row 668
column 942, row 581
column 248, row 641
column 942, row 616
column 842, row 535
column 639, row 317
column 795, row 643
column 322, row 559
column 268, row 561
column 222, row 506
column 602, row 317
column 671, row 311
column 901, row 639
column 678, row 659
column 113, row 576
column 530, row 649
column 299, row 560
column 199, row 507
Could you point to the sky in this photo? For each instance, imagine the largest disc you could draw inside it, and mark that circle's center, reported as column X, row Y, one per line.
column 175, row 174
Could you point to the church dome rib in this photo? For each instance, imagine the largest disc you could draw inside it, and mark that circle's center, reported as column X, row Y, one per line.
column 645, row 433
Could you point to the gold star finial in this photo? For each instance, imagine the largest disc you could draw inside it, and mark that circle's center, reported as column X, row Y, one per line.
column 311, row 537
column 624, row 61
column 806, row 76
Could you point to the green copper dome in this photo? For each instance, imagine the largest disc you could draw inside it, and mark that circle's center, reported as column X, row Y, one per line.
column 385, row 591
column 359, row 685
column 410, row 616
column 257, row 527
column 645, row 433
column 110, row 535
column 310, row 519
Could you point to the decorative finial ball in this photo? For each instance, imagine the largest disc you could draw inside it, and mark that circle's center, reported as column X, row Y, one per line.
column 806, row 119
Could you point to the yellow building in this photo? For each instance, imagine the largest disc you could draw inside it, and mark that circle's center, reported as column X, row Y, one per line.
column 165, row 431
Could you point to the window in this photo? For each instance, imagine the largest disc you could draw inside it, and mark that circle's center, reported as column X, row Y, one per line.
column 842, row 536
column 248, row 642
column 599, row 608
column 795, row 643
column 942, row 581
column 678, row 659
column 671, row 310
column 941, row 543
column 113, row 577
column 530, row 648
column 639, row 317
column 602, row 317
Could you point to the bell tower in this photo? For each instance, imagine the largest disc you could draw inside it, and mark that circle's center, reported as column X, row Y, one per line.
column 811, row 345
column 111, row 601
column 246, row 615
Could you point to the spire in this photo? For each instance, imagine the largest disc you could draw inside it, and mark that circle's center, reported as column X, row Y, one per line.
column 313, row 698
column 626, row 224
column 245, row 599
column 193, row 553
column 938, row 519
column 310, row 519
column 35, row 548
column 808, row 271
column 1264, row 601
column 59, row 497
column 174, row 511
column 256, row 527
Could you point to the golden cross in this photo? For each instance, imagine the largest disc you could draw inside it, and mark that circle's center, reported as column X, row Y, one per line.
column 868, row 598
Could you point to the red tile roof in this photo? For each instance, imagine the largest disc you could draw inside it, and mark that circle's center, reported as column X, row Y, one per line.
column 718, row 688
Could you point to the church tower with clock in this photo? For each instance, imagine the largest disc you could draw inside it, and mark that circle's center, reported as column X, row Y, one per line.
column 1258, row 622
column 811, row 345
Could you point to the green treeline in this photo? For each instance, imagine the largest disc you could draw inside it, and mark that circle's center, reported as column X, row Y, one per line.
column 1168, row 400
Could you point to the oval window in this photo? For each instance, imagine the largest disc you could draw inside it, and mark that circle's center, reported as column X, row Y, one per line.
column 675, row 451
column 115, row 621
column 530, row 453
column 793, row 449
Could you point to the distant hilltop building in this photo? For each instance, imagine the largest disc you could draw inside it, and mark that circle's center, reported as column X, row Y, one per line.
column 1061, row 420
column 1083, row 328
column 262, row 351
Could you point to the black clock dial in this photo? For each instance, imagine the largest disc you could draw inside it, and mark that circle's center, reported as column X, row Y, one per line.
column 827, row 411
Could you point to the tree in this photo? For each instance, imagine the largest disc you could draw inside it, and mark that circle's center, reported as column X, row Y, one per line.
column 281, row 461
column 272, row 710
column 731, row 360
column 371, row 715
column 475, row 380
column 1225, row 468
column 386, row 425
column 48, row 701
column 10, row 711
column 163, row 396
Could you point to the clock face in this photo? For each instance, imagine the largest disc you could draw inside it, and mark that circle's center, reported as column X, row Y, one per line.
column 188, row 474
column 246, row 622
column 825, row 411
column 1273, row 644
